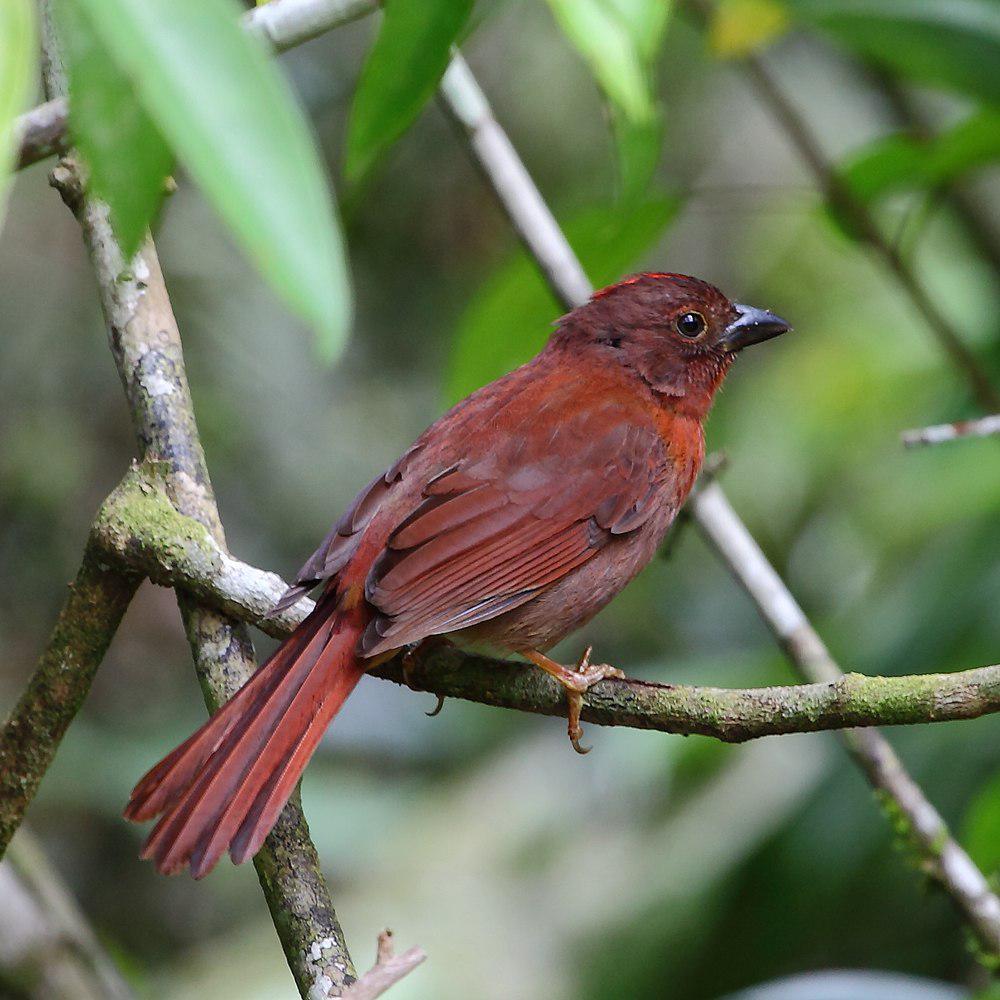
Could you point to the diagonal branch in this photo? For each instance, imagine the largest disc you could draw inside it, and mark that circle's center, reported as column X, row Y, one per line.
column 522, row 201
column 146, row 346
column 95, row 605
column 860, row 217
column 139, row 529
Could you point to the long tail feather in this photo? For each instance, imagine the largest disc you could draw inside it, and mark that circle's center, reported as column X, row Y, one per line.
column 224, row 787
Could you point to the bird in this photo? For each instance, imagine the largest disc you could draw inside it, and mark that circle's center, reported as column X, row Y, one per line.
column 510, row 522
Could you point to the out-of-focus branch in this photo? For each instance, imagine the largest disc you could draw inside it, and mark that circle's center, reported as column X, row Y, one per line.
column 96, row 602
column 139, row 528
column 282, row 24
column 46, row 946
column 962, row 201
column 983, row 427
column 146, row 346
column 859, row 216
column 41, row 131
column 388, row 969
column 952, row 866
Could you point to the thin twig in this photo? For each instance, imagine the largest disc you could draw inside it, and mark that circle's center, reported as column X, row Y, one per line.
column 146, row 346
column 953, row 867
column 282, row 24
column 859, row 216
column 388, row 969
column 983, row 427
column 139, row 528
column 910, row 114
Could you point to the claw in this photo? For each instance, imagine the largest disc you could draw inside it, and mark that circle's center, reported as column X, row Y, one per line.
column 576, row 684
column 437, row 708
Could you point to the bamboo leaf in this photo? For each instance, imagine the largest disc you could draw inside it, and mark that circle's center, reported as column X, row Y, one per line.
column 402, row 72
column 231, row 119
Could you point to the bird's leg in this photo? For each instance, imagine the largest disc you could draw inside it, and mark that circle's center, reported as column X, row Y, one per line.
column 576, row 682
column 409, row 659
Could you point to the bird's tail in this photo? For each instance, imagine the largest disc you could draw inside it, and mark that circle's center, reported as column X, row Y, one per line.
column 224, row 787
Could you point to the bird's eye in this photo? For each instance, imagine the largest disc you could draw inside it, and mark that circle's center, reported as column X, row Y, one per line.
column 690, row 324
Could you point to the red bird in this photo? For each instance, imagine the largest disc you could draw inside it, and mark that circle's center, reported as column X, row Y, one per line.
column 512, row 521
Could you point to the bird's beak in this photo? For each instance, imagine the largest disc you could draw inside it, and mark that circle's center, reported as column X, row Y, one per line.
column 752, row 327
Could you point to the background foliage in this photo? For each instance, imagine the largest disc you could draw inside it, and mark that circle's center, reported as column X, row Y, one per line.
column 523, row 870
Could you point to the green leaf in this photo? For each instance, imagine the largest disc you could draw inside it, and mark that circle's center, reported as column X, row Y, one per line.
column 510, row 318
column 899, row 162
column 18, row 72
column 400, row 75
column 638, row 146
column 618, row 39
column 127, row 159
column 981, row 834
column 954, row 45
column 231, row 119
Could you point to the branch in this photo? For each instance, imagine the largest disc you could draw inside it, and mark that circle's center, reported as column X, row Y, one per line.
column 983, row 427
column 139, row 528
column 94, row 607
column 146, row 346
column 387, row 970
column 840, row 197
column 281, row 24
column 946, row 860
column 952, row 867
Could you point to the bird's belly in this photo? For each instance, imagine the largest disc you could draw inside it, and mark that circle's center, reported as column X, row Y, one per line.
column 572, row 601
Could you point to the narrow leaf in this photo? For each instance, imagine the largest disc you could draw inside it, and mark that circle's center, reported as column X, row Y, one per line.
column 231, row 119
column 127, row 159
column 899, row 162
column 612, row 42
column 402, row 72
column 954, row 45
column 18, row 72
column 511, row 316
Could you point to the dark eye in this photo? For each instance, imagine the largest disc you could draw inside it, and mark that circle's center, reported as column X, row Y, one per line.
column 690, row 324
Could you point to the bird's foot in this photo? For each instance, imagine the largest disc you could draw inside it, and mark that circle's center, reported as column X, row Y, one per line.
column 415, row 652
column 576, row 683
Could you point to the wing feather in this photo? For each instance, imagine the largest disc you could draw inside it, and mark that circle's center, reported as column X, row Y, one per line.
column 490, row 531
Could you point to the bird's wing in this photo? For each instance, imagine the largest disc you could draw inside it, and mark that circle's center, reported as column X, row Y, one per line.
column 549, row 483
column 342, row 542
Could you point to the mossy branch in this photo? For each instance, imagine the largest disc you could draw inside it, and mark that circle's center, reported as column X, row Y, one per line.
column 95, row 604
column 139, row 526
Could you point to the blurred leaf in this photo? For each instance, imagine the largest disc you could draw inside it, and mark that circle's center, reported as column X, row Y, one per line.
column 740, row 27
column 618, row 39
column 981, row 834
column 17, row 79
column 400, row 75
column 638, row 146
column 954, row 45
column 231, row 118
column 510, row 318
column 899, row 162
column 127, row 158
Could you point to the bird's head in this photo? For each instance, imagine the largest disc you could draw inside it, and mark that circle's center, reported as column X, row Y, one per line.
column 678, row 333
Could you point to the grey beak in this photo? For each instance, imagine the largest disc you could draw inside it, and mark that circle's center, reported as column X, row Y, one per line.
column 752, row 327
